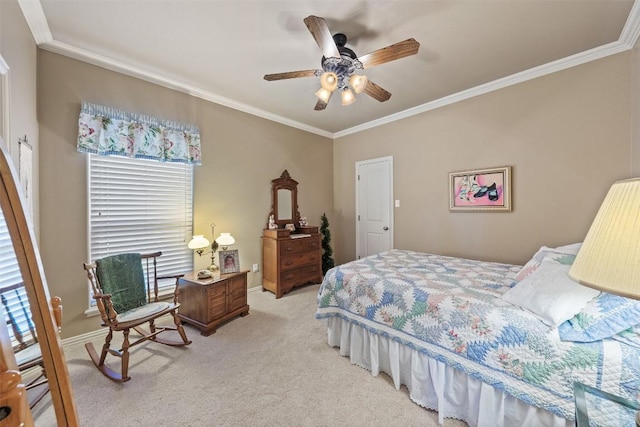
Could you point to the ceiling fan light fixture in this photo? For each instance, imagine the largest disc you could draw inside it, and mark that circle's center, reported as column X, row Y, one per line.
column 329, row 81
column 348, row 97
column 324, row 94
column 358, row 82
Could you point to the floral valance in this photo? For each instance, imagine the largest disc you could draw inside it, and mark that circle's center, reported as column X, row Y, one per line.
column 112, row 132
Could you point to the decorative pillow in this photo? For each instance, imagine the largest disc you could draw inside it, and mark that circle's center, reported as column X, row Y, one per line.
column 550, row 294
column 569, row 249
column 559, row 256
column 601, row 318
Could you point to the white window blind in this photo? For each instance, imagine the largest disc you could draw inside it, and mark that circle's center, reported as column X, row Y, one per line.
column 12, row 292
column 143, row 206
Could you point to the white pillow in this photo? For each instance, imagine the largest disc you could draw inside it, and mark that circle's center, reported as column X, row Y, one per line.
column 550, row 294
column 569, row 249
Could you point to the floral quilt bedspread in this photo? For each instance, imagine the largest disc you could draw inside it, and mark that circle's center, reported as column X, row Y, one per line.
column 451, row 310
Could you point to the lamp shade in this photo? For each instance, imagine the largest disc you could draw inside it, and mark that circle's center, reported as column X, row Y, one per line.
column 198, row 242
column 329, row 81
column 324, row 94
column 348, row 97
column 225, row 239
column 358, row 82
column 609, row 258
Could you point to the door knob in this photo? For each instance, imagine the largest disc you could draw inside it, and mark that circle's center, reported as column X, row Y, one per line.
column 385, row 228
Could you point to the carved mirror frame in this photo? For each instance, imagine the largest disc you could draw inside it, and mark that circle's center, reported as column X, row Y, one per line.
column 28, row 257
column 285, row 182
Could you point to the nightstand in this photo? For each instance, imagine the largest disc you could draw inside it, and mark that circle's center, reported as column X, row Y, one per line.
column 598, row 408
column 207, row 303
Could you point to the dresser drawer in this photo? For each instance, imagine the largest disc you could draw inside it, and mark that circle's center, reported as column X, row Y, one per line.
column 290, row 262
column 294, row 246
column 309, row 273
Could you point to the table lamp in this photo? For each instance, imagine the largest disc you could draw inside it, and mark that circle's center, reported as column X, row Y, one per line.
column 198, row 243
column 225, row 240
column 609, row 258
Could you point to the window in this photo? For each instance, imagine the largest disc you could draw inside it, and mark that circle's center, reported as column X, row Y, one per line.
column 138, row 205
column 13, row 294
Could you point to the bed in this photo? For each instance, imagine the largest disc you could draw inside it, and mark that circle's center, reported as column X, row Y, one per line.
column 454, row 333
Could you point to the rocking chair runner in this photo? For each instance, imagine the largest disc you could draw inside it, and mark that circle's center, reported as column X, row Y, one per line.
column 118, row 285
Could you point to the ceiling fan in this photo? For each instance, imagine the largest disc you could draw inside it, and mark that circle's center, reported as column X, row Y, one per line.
column 341, row 69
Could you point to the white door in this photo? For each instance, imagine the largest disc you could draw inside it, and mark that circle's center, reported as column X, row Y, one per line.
column 374, row 206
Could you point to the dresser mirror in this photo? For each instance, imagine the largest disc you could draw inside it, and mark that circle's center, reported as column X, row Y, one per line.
column 29, row 272
column 284, row 204
column 284, row 200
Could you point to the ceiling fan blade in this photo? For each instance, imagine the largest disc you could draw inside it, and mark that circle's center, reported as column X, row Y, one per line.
column 290, row 75
column 376, row 92
column 320, row 32
column 390, row 53
column 320, row 105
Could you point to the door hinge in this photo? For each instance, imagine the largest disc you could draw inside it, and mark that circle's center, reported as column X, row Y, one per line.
column 358, row 177
column 358, row 217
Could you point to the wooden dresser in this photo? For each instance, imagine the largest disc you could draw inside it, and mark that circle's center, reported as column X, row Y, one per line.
column 207, row 303
column 289, row 260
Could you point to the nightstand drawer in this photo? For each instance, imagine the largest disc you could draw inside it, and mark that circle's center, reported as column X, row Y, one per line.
column 217, row 302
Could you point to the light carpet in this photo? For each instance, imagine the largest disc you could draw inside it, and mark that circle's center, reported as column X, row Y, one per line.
column 272, row 367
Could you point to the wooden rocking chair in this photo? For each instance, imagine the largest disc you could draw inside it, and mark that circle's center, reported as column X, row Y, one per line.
column 27, row 348
column 125, row 302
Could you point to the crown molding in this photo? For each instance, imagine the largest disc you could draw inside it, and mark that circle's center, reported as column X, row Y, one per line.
column 140, row 73
column 37, row 22
column 530, row 74
column 631, row 30
column 34, row 15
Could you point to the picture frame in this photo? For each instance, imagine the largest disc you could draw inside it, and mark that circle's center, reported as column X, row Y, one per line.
column 480, row 190
column 229, row 261
column 25, row 172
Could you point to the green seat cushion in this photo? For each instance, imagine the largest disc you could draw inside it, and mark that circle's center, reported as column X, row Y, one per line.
column 122, row 277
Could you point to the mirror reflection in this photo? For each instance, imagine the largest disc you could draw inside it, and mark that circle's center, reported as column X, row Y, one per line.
column 18, row 320
column 284, row 204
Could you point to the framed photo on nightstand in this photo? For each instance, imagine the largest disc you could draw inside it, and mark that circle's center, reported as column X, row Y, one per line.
column 229, row 261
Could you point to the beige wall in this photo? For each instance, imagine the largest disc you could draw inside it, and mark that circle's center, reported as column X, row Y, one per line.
column 567, row 137
column 241, row 155
column 18, row 49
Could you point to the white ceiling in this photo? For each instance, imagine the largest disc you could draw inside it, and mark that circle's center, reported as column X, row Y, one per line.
column 220, row 50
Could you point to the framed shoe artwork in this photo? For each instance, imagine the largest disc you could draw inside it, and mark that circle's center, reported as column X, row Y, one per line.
column 480, row 190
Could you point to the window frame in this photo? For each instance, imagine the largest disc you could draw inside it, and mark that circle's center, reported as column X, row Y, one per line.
column 180, row 256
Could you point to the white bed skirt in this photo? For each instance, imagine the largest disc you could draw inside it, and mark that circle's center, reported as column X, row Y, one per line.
column 434, row 385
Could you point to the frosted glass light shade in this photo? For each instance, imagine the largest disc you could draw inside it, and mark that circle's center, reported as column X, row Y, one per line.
column 348, row 97
column 329, row 81
column 198, row 242
column 323, row 94
column 609, row 258
column 225, row 239
column 358, row 82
